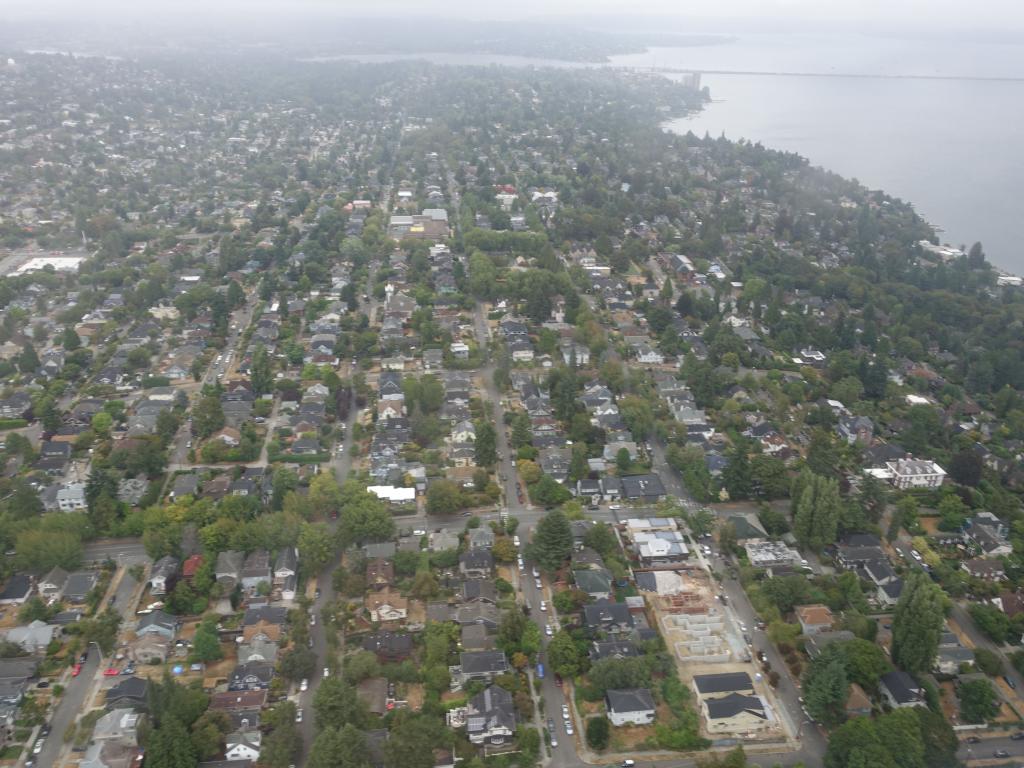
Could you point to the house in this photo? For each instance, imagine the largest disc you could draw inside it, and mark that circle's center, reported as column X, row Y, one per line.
column 479, row 591
column 119, row 726
column 161, row 577
column 17, row 590
column 101, row 754
column 984, row 568
column 33, row 638
column 373, row 692
column 51, row 586
column 442, row 540
column 251, row 676
column 722, row 683
column 228, row 569
column 734, row 713
column 643, row 488
column 389, row 647
column 491, row 716
column 613, row 649
column 596, row 582
column 915, row 473
column 901, row 690
column 481, row 613
column 889, row 594
column 71, row 497
column 256, row 570
column 238, row 701
column 243, row 745
column 380, row 574
column 158, row 623
column 151, row 648
column 856, row 429
column 814, row 618
column 129, row 693
column 475, row 637
column 630, row 706
column 386, row 606
column 819, row 641
column 606, row 616
column 258, row 649
column 476, row 564
column 190, row 567
column 480, row 538
column 857, row 702
column 988, row 534
column 78, row 586
column 481, row 665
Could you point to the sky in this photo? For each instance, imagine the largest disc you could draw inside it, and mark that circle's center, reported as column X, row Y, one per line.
column 884, row 14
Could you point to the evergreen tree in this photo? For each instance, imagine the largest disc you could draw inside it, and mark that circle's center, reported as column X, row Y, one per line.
column 825, row 689
column 736, row 475
column 260, row 374
column 552, row 541
column 28, row 360
column 484, row 445
column 70, row 340
column 917, row 623
column 817, row 512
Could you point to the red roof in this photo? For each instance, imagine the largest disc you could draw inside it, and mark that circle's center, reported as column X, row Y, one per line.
column 188, row 570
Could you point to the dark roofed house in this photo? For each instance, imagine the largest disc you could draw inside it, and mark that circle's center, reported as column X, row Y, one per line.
column 389, row 646
column 16, row 590
column 630, row 706
column 476, row 563
column 606, row 616
column 647, row 488
column 132, row 692
column 482, row 665
column 491, row 716
column 722, row 683
column 901, row 690
column 252, row 676
column 613, row 649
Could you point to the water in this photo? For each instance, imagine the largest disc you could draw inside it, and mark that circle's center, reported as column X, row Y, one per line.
column 935, row 122
column 949, row 146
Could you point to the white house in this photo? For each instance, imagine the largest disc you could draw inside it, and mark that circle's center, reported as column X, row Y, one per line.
column 243, row 745
column 915, row 473
column 71, row 497
column 630, row 706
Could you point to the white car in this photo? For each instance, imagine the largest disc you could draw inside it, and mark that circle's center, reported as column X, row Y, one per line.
column 298, row 716
column 916, row 555
column 327, row 671
column 548, row 630
column 615, row 506
column 568, row 728
column 312, row 619
column 38, row 747
column 565, row 711
column 536, row 573
column 803, row 562
column 304, row 685
column 515, row 541
column 743, row 627
column 543, row 606
column 419, row 532
column 537, row 584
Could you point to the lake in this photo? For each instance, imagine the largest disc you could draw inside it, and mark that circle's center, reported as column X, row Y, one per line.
column 952, row 147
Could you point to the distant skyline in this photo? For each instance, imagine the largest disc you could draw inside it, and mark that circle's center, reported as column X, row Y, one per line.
column 881, row 16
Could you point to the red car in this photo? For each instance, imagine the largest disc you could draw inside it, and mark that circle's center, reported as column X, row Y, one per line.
column 110, row 672
column 76, row 670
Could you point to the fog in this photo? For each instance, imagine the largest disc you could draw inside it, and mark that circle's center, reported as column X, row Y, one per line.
column 904, row 16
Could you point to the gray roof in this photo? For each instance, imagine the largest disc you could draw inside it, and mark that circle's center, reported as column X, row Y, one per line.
column 630, row 700
column 734, row 704
column 474, row 662
column 722, row 682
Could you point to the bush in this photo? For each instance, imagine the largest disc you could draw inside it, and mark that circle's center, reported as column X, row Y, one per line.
column 598, row 732
column 988, row 661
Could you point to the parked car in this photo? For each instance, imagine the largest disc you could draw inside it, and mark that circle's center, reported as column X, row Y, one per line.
column 304, row 685
column 37, row 747
column 543, row 606
column 327, row 671
column 110, row 672
column 548, row 630
column 298, row 716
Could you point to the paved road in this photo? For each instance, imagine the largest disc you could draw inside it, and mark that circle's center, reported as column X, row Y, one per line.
column 121, row 551
column 79, row 690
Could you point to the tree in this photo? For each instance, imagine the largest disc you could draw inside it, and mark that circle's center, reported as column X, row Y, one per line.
column 736, row 475
column 598, row 732
column 70, row 340
column 978, row 702
column 324, row 495
column 548, row 492
column 966, row 467
column 565, row 656
column 315, row 545
column 208, row 733
column 298, row 664
column 363, row 517
column 993, row 623
column 623, row 461
column 552, row 541
column 260, row 374
column 342, row 747
column 28, row 360
column 412, row 740
column 988, row 662
column 168, row 746
column 206, row 643
column 816, row 521
column 207, row 416
column 611, row 674
column 917, row 623
column 504, row 550
column 444, row 497
column 337, row 705
column 40, row 550
column 825, row 690
column 601, row 538
column 484, row 445
column 865, row 662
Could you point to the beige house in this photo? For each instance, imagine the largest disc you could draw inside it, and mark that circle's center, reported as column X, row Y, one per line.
column 387, row 606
